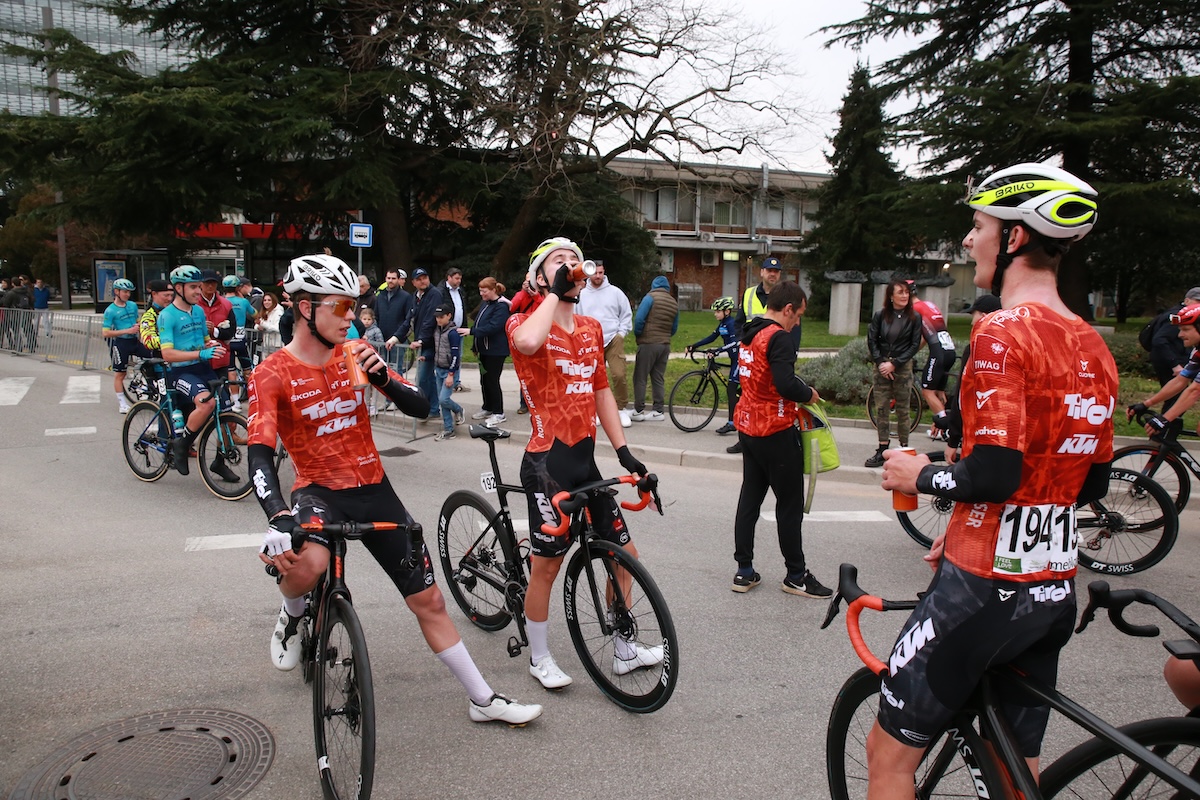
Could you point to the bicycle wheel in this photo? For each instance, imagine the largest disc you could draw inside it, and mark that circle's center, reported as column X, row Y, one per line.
column 693, row 401
column 622, row 603
column 945, row 771
column 473, row 562
column 916, row 408
column 135, row 386
column 1130, row 529
column 145, row 438
column 223, row 462
column 1096, row 769
column 343, row 705
column 1162, row 466
column 929, row 520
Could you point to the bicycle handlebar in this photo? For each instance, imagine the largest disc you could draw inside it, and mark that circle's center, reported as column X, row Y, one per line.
column 351, row 530
column 858, row 599
column 1116, row 601
column 567, row 503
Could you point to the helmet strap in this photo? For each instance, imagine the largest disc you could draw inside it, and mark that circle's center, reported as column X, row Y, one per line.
column 1004, row 257
column 312, row 325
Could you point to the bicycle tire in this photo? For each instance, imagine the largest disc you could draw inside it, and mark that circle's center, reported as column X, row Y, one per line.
column 641, row 616
column 929, row 521
column 146, row 439
column 1096, row 769
column 693, row 401
column 1130, row 529
column 474, row 566
column 343, row 705
column 945, row 770
column 1170, row 472
column 135, row 387
column 916, row 410
column 228, row 449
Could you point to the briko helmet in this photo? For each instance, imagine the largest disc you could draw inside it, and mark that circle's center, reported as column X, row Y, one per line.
column 320, row 274
column 1188, row 315
column 723, row 304
column 231, row 282
column 124, row 283
column 548, row 246
column 1057, row 207
column 185, row 273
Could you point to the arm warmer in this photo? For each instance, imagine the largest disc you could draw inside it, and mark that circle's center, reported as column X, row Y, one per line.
column 407, row 397
column 991, row 474
column 266, row 480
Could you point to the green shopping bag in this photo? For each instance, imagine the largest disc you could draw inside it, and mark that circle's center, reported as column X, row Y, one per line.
column 817, row 436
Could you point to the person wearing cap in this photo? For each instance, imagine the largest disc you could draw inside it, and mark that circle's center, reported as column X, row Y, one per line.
column 984, row 304
column 753, row 305
column 1183, row 388
column 1038, row 394
column 393, row 313
column 559, row 359
column 424, row 324
column 161, row 295
column 219, row 313
column 120, row 327
column 447, row 355
column 1167, row 353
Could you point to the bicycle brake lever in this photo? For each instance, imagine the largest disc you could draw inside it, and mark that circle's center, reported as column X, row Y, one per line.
column 832, row 612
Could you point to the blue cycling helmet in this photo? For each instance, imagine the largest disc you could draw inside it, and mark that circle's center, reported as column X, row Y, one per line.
column 231, row 282
column 124, row 283
column 185, row 273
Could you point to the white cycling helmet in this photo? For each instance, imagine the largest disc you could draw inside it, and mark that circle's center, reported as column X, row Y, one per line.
column 320, row 274
column 1047, row 199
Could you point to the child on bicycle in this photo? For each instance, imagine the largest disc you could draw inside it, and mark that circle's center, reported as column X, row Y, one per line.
column 559, row 358
column 722, row 309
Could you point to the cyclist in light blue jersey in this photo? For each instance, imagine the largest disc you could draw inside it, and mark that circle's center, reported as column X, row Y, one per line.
column 120, row 328
column 243, row 315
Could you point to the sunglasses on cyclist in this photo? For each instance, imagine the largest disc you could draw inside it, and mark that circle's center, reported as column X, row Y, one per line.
column 340, row 307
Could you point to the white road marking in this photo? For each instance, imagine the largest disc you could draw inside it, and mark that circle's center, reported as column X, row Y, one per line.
column 70, row 431
column 13, row 389
column 225, row 542
column 837, row 516
column 82, row 389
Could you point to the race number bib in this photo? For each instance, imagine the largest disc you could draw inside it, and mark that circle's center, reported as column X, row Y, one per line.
column 945, row 341
column 487, row 482
column 1036, row 538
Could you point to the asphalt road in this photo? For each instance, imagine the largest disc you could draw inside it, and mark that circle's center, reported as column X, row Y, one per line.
column 114, row 616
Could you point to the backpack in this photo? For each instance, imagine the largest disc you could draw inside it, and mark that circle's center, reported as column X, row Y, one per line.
column 1146, row 334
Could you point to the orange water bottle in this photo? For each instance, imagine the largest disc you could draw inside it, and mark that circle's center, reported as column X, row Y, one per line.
column 354, row 370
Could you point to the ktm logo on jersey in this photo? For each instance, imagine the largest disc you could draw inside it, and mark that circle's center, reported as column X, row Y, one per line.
column 335, row 425
column 1080, row 444
column 579, row 387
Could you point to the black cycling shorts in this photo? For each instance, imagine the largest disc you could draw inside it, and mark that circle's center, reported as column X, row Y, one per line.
column 545, row 474
column 937, row 369
column 962, row 627
column 122, row 349
column 373, row 503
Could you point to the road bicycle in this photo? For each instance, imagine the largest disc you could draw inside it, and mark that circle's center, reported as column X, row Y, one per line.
column 220, row 446
column 1130, row 529
column 916, row 407
column 333, row 658
column 695, row 397
column 1164, row 459
column 607, row 593
column 1151, row 758
column 138, row 385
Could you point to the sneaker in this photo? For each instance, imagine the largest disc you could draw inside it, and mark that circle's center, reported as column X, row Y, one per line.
column 285, row 643
column 654, row 416
column 625, row 420
column 523, row 409
column 236, row 406
column 726, row 428
column 123, row 408
column 806, row 586
column 459, row 416
column 461, row 388
column 744, row 583
column 494, row 420
column 638, row 416
column 482, row 413
column 179, row 453
column 219, row 468
column 501, row 709
column 444, row 435
column 734, row 448
column 875, row 460
column 642, row 657
column 548, row 673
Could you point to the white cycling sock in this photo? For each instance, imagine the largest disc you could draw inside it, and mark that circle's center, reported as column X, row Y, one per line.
column 121, row 398
column 625, row 648
column 538, row 647
column 459, row 661
column 294, row 605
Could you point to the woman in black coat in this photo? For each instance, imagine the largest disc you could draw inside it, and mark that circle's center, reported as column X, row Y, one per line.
column 491, row 345
column 893, row 339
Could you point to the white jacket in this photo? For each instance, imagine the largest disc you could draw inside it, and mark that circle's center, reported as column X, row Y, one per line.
column 609, row 306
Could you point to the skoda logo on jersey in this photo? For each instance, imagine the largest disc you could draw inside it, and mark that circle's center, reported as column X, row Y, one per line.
column 1088, row 408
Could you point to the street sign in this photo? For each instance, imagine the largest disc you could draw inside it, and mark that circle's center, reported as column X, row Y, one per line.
column 360, row 234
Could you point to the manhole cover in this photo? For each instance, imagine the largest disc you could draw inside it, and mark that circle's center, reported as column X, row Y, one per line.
column 197, row 754
column 397, row 451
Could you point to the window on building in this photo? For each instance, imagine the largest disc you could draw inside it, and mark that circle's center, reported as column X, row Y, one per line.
column 729, row 212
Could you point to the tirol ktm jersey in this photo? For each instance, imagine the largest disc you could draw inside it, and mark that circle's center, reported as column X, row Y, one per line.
column 322, row 420
column 1045, row 386
column 761, row 411
column 560, row 381
column 933, row 326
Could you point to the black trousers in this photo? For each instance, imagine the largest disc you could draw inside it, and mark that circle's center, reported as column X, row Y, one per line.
column 489, row 381
column 775, row 462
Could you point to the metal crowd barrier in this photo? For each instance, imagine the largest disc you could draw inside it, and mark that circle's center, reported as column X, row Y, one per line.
column 59, row 336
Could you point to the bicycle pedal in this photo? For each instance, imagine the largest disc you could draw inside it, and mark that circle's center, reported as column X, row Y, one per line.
column 514, row 647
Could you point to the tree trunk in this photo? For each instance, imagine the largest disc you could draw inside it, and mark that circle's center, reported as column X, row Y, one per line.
column 1073, row 283
column 512, row 256
column 393, row 238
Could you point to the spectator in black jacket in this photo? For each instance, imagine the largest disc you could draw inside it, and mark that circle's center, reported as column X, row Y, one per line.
column 393, row 310
column 1167, row 353
column 893, row 338
column 424, row 323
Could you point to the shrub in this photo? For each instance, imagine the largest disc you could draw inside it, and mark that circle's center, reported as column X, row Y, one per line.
column 843, row 378
column 1130, row 357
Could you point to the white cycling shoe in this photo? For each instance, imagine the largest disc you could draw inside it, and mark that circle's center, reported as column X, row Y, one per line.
column 548, row 673
column 642, row 657
column 501, row 709
column 285, row 640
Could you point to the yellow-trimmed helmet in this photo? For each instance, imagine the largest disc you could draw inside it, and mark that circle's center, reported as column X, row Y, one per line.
column 1047, row 199
column 548, row 246
column 723, row 304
